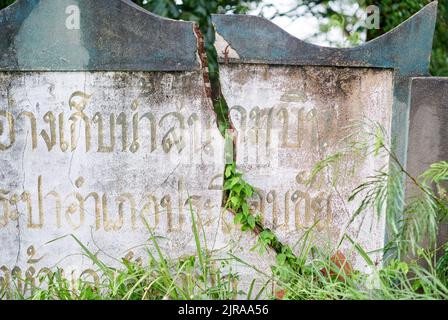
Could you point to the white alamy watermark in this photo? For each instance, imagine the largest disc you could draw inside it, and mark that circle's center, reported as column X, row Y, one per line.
column 372, row 20
column 73, row 20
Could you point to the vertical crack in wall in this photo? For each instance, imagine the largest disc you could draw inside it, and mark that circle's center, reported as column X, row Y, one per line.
column 203, row 60
column 214, row 93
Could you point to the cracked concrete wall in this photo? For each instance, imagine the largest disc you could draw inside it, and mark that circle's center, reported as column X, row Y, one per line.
column 95, row 155
column 291, row 103
column 252, row 50
column 91, row 154
column 102, row 126
column 287, row 118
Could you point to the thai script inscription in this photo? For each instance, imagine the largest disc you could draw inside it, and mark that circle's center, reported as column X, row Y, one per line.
column 62, row 130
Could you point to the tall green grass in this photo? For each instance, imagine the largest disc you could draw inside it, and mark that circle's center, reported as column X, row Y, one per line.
column 203, row 276
column 417, row 269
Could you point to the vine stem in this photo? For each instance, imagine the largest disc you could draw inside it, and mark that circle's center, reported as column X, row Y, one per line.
column 275, row 244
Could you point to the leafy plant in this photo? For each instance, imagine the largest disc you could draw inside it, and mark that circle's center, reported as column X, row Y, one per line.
column 198, row 276
column 239, row 190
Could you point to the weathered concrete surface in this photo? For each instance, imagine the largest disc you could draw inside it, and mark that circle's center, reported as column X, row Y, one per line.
column 253, row 265
column 125, row 130
column 104, row 35
column 288, row 118
column 93, row 154
column 428, row 141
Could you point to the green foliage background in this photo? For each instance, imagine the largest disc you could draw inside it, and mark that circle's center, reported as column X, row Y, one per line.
column 4, row 3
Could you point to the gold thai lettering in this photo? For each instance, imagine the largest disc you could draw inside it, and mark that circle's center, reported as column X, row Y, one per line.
column 121, row 120
column 166, row 204
column 121, row 201
column 79, row 106
column 75, row 206
column 5, row 206
column 145, row 212
column 33, row 125
column 105, row 133
column 25, row 281
column 174, row 136
column 108, row 212
column 98, row 119
column 136, row 119
column 50, row 140
column 10, row 121
column 255, row 117
column 241, row 129
column 305, row 209
column 283, row 115
column 270, row 119
column 62, row 143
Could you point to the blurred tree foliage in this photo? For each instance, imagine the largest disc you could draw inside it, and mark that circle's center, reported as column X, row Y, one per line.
column 344, row 15
column 5, row 3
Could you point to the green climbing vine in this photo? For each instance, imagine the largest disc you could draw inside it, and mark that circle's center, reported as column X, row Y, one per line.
column 238, row 191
